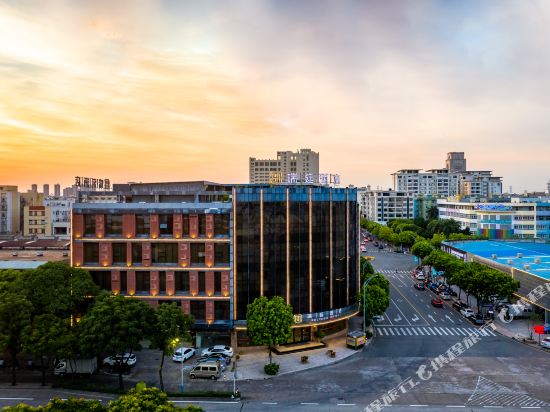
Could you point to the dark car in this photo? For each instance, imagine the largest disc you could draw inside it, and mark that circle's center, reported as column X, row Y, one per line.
column 433, row 287
column 459, row 305
column 420, row 286
column 219, row 356
column 452, row 292
column 380, row 246
column 438, row 303
column 477, row 319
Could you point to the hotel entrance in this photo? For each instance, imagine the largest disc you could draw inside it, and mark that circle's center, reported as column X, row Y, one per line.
column 300, row 335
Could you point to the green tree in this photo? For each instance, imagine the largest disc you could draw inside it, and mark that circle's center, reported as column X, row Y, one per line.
column 147, row 400
column 15, row 319
column 432, row 213
column 384, row 233
column 61, row 405
column 422, row 249
column 170, row 329
column 437, row 239
column 8, row 278
column 56, row 288
column 115, row 325
column 377, row 300
column 407, row 238
column 46, row 339
column 269, row 322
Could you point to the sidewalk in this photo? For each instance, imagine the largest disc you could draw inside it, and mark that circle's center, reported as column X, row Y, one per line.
column 518, row 329
column 252, row 361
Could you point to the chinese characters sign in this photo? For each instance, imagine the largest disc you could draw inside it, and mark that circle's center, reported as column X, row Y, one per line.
column 323, row 179
column 91, row 183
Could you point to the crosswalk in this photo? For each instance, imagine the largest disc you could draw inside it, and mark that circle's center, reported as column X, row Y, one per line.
column 393, row 272
column 431, row 331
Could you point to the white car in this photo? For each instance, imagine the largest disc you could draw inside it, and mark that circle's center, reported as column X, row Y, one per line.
column 545, row 343
column 127, row 359
column 226, row 350
column 445, row 296
column 182, row 354
column 467, row 312
column 420, row 276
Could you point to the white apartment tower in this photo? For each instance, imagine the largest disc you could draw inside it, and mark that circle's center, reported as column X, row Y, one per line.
column 300, row 162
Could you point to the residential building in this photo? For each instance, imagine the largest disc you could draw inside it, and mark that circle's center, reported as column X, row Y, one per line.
column 456, row 162
column 57, row 190
column 453, row 180
column 70, row 192
column 46, row 189
column 37, row 221
column 301, row 162
column 424, row 204
column 34, row 187
column 516, row 217
column 60, row 216
column 9, row 210
column 384, row 205
column 212, row 249
column 29, row 198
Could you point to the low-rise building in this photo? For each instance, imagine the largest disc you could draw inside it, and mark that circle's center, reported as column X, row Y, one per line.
column 37, row 221
column 60, row 216
column 9, row 210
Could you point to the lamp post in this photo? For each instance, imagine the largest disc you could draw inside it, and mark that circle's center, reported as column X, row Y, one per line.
column 365, row 283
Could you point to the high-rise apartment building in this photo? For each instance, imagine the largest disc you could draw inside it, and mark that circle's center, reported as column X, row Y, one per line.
column 34, row 187
column 46, row 190
column 9, row 210
column 456, row 162
column 301, row 162
column 451, row 181
column 57, row 190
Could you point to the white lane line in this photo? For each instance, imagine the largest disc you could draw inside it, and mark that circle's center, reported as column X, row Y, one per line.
column 16, row 399
column 489, row 406
column 427, row 333
column 345, row 404
column 460, row 331
column 455, row 406
column 269, row 403
column 381, row 330
column 449, row 330
column 400, row 311
column 309, row 403
column 228, row 402
column 482, row 331
column 418, row 405
column 415, row 332
column 443, row 330
column 397, row 332
column 420, row 331
column 435, row 331
column 490, row 332
column 530, row 407
column 391, row 331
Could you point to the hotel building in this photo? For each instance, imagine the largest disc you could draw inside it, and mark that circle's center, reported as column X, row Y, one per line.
column 214, row 248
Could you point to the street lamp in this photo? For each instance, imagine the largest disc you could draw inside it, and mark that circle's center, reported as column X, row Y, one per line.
column 365, row 283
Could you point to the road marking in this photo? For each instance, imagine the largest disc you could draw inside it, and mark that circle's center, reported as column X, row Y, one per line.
column 309, row 403
column 420, row 331
column 345, row 404
column 455, row 406
column 397, row 332
column 269, row 403
column 450, row 331
column 17, row 399
column 398, row 318
column 407, row 300
column 204, row 402
column 432, row 318
column 382, row 332
column 391, row 331
column 443, row 330
column 530, row 407
column 489, row 406
column 418, row 405
column 427, row 333
column 415, row 318
column 448, row 317
column 415, row 332
column 459, row 330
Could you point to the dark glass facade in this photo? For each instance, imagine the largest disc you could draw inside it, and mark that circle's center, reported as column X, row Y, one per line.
column 300, row 243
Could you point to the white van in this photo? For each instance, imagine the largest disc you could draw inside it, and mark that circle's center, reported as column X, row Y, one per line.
column 209, row 370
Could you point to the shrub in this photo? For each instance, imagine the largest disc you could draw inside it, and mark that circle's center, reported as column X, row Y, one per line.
column 369, row 334
column 271, row 368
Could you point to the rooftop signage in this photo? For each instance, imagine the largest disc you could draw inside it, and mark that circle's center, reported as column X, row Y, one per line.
column 92, row 183
column 493, row 207
column 323, row 179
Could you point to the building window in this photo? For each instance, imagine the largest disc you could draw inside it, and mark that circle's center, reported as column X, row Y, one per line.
column 143, row 282
column 181, row 281
column 198, row 309
column 221, row 254
column 162, row 283
column 202, row 225
column 113, row 225
column 136, row 253
column 119, row 253
column 123, row 282
column 166, row 225
column 165, row 253
column 91, row 254
column 221, row 310
column 143, row 227
column 197, row 254
column 102, row 279
column 202, row 282
column 217, row 282
column 89, row 225
column 185, row 225
column 221, row 225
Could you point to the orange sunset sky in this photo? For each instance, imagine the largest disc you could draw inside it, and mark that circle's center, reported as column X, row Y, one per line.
column 185, row 90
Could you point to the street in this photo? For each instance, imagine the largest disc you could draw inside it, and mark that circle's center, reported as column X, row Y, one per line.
column 496, row 372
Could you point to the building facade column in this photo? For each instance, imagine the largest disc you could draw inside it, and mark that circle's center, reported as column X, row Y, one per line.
column 105, row 254
column 128, row 226
column 184, row 254
column 100, row 226
column 177, row 229
column 154, row 227
column 194, row 282
column 209, row 254
column 115, row 281
column 146, row 254
column 170, row 283
column 209, row 225
column 78, row 226
column 209, row 311
column 131, row 282
column 186, row 306
column 78, row 254
column 129, row 259
column 193, row 226
column 209, row 283
column 154, row 282
column 225, row 283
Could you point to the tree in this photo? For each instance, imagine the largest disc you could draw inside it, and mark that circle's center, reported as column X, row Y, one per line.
column 407, row 238
column 147, row 400
column 8, row 278
column 115, row 325
column 61, row 405
column 377, row 297
column 437, row 239
column 15, row 319
column 432, row 213
column 47, row 339
column 422, row 249
column 171, row 327
column 384, row 233
column 56, row 288
column 269, row 322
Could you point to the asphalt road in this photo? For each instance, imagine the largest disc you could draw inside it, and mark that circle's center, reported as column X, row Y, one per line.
column 495, row 372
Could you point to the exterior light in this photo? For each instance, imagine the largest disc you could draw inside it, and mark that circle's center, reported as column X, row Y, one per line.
column 78, row 235
column 209, row 321
column 77, row 263
column 128, row 236
column 225, row 294
column 194, row 294
column 209, row 293
column 154, row 292
column 131, row 292
column 104, row 264
column 128, row 264
column 177, row 236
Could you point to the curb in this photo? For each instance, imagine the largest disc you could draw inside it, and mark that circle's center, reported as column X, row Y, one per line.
column 536, row 347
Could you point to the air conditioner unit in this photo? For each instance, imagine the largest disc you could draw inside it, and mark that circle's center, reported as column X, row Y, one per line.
column 494, row 256
column 526, row 267
column 520, row 255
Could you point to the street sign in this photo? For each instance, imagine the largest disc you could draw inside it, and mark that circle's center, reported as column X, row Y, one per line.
column 539, row 329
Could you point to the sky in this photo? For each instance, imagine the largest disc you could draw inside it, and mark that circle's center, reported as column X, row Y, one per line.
column 189, row 90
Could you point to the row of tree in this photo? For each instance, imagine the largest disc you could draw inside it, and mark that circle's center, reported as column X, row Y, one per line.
column 56, row 311
column 376, row 291
column 137, row 399
column 405, row 232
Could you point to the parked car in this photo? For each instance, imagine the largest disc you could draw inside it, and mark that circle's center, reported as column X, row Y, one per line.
column 420, row 276
column 545, row 343
column 208, row 370
column 127, row 359
column 218, row 356
column 377, row 317
column 420, row 286
column 218, row 349
column 433, row 287
column 466, row 312
column 451, row 292
column 547, row 328
column 459, row 305
column 75, row 366
column 477, row 319
column 207, row 358
column 380, row 246
column 182, row 354
column 438, row 303
column 444, row 296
